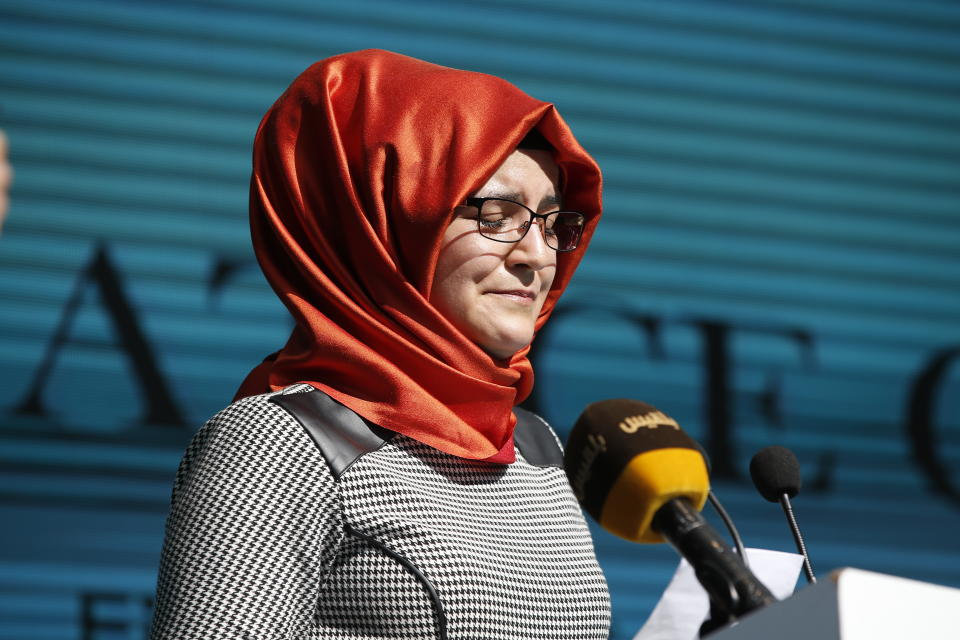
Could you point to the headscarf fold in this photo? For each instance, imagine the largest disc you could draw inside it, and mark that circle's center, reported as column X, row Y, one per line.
column 357, row 169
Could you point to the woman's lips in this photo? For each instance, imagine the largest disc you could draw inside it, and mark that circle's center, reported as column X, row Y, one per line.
column 520, row 296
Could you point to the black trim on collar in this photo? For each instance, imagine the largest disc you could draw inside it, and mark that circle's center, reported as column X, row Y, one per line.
column 341, row 435
column 535, row 440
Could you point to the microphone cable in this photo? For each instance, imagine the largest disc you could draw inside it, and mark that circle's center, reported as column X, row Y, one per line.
column 724, row 516
column 737, row 540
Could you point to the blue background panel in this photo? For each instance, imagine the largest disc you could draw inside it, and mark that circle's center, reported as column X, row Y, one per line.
column 786, row 171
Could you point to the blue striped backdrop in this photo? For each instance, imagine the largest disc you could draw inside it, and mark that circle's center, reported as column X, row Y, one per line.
column 787, row 171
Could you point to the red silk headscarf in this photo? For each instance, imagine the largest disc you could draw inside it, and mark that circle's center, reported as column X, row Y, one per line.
column 357, row 169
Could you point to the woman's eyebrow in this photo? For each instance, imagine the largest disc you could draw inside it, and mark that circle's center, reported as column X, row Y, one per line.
column 549, row 200
column 502, row 195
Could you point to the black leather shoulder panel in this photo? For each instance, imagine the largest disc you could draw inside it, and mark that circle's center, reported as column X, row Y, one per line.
column 536, row 441
column 341, row 435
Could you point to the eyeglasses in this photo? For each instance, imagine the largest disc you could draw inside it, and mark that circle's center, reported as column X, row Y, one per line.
column 509, row 221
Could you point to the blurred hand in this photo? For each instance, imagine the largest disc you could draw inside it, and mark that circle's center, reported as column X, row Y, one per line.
column 6, row 178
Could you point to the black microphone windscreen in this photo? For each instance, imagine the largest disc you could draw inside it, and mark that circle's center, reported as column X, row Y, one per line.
column 625, row 460
column 775, row 471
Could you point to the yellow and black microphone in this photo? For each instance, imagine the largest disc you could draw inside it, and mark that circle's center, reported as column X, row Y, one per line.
column 642, row 478
column 625, row 460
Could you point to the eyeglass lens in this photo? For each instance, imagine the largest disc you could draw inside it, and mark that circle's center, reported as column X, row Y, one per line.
column 507, row 221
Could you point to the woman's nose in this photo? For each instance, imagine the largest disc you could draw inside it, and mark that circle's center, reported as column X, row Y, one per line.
column 532, row 250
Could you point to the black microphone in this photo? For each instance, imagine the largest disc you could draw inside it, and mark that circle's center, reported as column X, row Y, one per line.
column 776, row 474
column 643, row 479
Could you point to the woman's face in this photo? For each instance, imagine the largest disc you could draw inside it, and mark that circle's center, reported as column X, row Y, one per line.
column 493, row 291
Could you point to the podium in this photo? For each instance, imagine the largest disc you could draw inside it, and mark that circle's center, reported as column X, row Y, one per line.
column 851, row 604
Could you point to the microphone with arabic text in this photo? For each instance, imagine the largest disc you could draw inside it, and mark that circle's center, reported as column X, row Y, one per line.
column 643, row 479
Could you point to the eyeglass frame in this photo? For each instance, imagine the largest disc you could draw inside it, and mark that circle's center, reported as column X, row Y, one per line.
column 478, row 203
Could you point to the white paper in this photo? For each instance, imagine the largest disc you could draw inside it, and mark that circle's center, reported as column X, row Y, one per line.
column 685, row 605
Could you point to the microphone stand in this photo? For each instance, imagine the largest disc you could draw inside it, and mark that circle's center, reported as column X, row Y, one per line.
column 733, row 589
column 797, row 538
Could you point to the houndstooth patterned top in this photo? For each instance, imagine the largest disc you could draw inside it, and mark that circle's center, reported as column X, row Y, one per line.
column 270, row 536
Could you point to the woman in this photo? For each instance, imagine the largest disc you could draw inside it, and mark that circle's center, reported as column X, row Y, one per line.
column 373, row 480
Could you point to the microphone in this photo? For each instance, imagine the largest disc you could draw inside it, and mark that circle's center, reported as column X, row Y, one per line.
column 643, row 479
column 776, row 475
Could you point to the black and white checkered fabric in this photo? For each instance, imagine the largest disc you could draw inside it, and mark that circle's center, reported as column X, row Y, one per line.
column 263, row 542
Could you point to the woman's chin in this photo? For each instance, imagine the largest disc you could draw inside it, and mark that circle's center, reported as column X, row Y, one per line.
column 504, row 348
